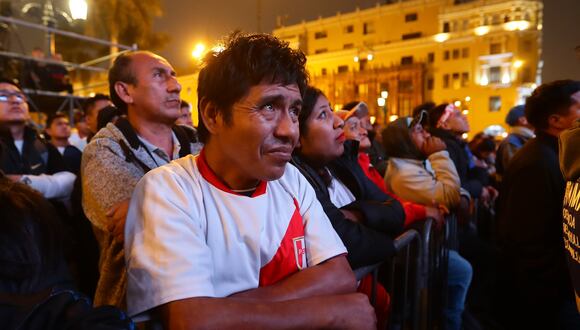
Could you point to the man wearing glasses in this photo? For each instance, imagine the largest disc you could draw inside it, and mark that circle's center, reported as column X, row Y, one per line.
column 24, row 156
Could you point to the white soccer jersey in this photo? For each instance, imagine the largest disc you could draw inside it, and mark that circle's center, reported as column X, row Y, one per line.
column 188, row 235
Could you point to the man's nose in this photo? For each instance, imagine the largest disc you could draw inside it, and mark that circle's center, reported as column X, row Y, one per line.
column 286, row 127
column 173, row 86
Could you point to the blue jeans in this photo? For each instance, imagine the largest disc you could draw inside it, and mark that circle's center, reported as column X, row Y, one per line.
column 459, row 275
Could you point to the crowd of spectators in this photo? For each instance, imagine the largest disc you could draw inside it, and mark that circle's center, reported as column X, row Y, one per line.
column 257, row 217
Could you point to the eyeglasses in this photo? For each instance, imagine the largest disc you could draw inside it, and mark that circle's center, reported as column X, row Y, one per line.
column 5, row 96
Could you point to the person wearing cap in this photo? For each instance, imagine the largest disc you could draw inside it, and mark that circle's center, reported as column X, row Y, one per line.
column 420, row 170
column 448, row 123
column 376, row 151
column 533, row 272
column 354, row 130
column 521, row 132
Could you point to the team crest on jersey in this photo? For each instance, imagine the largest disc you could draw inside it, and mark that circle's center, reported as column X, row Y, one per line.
column 300, row 252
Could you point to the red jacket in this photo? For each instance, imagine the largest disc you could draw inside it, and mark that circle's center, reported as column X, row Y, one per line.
column 413, row 212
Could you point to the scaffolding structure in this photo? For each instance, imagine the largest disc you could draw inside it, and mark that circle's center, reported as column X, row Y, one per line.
column 67, row 100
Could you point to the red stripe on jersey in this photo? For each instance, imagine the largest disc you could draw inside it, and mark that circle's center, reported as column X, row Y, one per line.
column 209, row 175
column 290, row 256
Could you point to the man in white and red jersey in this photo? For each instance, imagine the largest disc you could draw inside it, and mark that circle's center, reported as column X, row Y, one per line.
column 235, row 237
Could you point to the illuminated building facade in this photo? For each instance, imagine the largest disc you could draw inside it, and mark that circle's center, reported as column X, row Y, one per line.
column 484, row 55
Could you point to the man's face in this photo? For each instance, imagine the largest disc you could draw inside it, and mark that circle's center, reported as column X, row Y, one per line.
column 92, row 116
column 566, row 121
column 262, row 133
column 155, row 96
column 185, row 117
column 82, row 127
column 419, row 135
column 457, row 122
column 59, row 128
column 324, row 138
column 13, row 106
column 353, row 130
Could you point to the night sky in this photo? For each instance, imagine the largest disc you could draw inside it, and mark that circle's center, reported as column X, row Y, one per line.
column 188, row 22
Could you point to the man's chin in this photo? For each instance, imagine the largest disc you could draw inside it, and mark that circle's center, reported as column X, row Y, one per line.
column 15, row 121
column 275, row 172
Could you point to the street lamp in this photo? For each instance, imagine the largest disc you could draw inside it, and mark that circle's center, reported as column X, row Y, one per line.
column 198, row 51
column 78, row 9
column 382, row 103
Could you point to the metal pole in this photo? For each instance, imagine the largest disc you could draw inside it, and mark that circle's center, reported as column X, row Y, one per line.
column 64, row 33
column 67, row 64
column 50, row 22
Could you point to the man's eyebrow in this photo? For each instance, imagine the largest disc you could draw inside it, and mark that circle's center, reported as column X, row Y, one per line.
column 297, row 102
column 277, row 98
column 163, row 69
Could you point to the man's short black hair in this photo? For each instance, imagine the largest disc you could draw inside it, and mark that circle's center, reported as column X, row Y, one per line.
column 89, row 104
column 311, row 95
column 121, row 71
column 184, row 104
column 54, row 117
column 10, row 82
column 246, row 61
column 550, row 99
column 78, row 116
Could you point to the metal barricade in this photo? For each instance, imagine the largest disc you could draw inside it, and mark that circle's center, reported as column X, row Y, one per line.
column 433, row 275
column 403, row 281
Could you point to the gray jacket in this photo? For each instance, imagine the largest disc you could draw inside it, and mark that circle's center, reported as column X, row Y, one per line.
column 109, row 175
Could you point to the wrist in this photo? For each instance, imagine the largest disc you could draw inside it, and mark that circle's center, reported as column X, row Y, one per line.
column 25, row 179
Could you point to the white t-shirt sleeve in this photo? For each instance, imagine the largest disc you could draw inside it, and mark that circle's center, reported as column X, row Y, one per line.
column 322, row 241
column 165, row 247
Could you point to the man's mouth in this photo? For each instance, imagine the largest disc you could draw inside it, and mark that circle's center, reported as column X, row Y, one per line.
column 173, row 102
column 282, row 153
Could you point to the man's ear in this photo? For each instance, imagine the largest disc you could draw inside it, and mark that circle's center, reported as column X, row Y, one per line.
column 123, row 90
column 210, row 115
column 554, row 121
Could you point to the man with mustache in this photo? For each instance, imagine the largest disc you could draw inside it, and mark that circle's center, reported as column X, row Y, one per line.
column 235, row 237
column 144, row 86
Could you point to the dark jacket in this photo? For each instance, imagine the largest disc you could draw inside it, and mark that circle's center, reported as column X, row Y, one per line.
column 367, row 243
column 530, row 225
column 38, row 156
column 473, row 178
column 509, row 146
column 72, row 159
column 378, row 156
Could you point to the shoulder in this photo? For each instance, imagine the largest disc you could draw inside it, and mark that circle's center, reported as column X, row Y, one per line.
column 292, row 177
column 534, row 155
column 108, row 138
column 402, row 169
column 178, row 174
